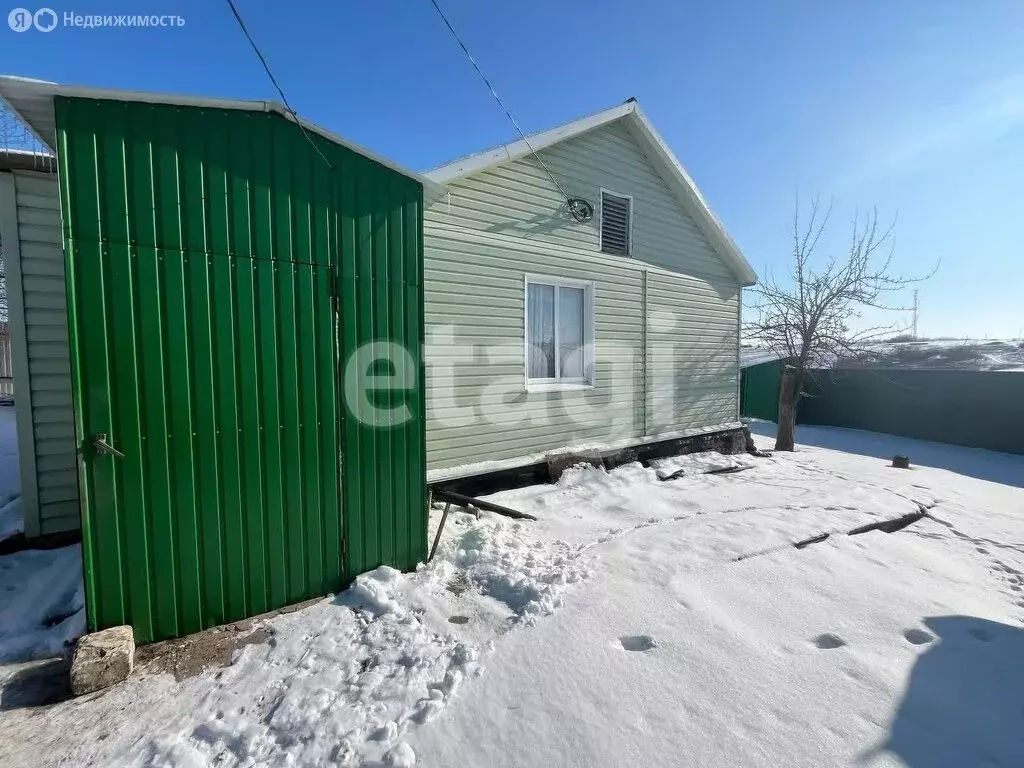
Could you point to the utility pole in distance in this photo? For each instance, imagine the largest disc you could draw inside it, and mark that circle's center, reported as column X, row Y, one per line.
column 915, row 314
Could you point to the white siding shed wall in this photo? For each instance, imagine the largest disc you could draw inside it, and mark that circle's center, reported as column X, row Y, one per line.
column 46, row 437
column 499, row 225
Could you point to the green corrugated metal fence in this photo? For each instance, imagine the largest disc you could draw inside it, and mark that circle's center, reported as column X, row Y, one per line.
column 219, row 276
column 759, row 390
column 969, row 408
column 979, row 409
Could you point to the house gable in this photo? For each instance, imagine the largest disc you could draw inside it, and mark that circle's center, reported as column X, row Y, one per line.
column 518, row 199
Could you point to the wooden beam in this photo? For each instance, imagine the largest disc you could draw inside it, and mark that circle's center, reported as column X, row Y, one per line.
column 437, row 537
column 468, row 501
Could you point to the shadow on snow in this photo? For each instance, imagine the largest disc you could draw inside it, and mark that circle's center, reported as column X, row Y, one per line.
column 1005, row 468
column 964, row 704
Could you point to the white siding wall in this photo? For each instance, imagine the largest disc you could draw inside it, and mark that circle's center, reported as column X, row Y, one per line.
column 518, row 200
column 478, row 408
column 692, row 365
column 499, row 225
column 43, row 397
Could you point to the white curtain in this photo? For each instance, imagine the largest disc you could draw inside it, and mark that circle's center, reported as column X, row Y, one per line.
column 541, row 331
column 570, row 332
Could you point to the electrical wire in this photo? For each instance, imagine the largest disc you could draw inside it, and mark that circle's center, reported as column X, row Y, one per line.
column 280, row 90
column 581, row 210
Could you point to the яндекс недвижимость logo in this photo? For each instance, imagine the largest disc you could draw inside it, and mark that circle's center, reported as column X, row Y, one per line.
column 47, row 20
column 22, row 19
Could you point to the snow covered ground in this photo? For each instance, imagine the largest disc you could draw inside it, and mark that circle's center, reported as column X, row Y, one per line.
column 43, row 605
column 41, row 595
column 976, row 462
column 638, row 621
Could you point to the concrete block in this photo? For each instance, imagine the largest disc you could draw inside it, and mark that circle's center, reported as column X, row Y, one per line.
column 102, row 659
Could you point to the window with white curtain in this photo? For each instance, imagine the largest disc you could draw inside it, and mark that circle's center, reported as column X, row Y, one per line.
column 559, row 331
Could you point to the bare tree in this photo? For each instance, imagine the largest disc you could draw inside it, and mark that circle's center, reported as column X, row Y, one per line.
column 809, row 318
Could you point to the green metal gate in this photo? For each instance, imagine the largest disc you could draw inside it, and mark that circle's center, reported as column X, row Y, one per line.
column 219, row 274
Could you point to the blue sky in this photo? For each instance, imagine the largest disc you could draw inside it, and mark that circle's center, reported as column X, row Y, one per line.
column 916, row 106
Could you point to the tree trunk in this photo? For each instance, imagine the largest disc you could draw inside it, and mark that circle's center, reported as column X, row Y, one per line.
column 789, row 396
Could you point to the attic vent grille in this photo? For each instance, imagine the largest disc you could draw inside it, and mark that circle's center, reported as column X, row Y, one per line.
column 616, row 221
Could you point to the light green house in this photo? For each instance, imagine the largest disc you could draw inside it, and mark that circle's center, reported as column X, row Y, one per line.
column 549, row 329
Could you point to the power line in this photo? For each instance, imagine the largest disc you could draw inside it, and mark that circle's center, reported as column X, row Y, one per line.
column 280, row 90
column 572, row 202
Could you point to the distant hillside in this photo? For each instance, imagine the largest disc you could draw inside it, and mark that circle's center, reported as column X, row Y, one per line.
column 944, row 354
column 948, row 354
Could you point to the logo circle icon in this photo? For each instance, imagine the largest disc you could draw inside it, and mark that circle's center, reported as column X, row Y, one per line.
column 45, row 19
column 20, row 19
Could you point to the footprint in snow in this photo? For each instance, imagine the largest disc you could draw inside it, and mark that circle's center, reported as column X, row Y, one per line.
column 400, row 756
column 828, row 641
column 918, row 637
column 981, row 634
column 637, row 642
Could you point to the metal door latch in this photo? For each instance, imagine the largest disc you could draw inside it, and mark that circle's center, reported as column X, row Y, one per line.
column 102, row 446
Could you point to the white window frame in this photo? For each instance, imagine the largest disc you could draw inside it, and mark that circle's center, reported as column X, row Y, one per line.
column 629, row 230
column 589, row 325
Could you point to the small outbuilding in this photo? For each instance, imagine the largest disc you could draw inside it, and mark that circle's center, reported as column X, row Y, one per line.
column 194, row 282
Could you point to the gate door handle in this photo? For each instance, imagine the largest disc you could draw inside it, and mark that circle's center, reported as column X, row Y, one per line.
column 102, row 446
